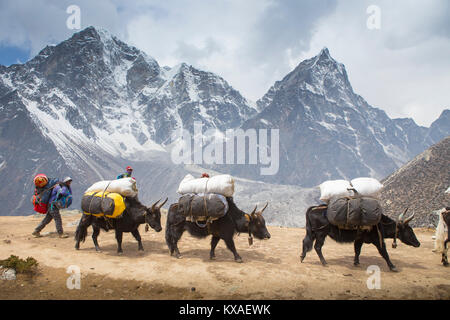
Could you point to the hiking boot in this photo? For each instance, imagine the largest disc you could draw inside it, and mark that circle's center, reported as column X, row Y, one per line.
column 63, row 235
column 36, row 234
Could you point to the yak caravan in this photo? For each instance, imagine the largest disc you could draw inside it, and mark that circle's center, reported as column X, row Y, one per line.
column 206, row 207
column 190, row 149
column 350, row 212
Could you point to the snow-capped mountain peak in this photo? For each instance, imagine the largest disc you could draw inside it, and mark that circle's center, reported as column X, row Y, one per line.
column 92, row 103
column 95, row 88
column 329, row 132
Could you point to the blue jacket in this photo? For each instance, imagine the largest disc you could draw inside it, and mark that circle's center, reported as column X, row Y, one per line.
column 59, row 192
column 124, row 175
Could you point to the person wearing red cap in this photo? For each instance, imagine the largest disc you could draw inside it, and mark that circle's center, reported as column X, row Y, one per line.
column 205, row 175
column 127, row 174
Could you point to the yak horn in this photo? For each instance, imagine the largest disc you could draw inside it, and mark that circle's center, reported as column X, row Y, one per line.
column 154, row 205
column 159, row 207
column 410, row 218
column 400, row 217
column 264, row 208
column 254, row 210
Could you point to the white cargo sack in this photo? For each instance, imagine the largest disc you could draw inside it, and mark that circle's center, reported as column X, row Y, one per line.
column 125, row 187
column 367, row 187
column 334, row 188
column 222, row 184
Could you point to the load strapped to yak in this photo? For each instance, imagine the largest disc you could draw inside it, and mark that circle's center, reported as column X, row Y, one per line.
column 352, row 205
column 107, row 198
column 204, row 199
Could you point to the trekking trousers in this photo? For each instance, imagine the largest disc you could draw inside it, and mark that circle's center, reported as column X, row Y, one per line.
column 52, row 213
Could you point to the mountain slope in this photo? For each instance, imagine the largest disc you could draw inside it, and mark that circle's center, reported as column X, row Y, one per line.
column 92, row 104
column 420, row 184
column 329, row 132
column 117, row 97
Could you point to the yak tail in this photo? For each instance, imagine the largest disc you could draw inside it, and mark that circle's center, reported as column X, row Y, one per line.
column 309, row 237
column 309, row 229
column 81, row 232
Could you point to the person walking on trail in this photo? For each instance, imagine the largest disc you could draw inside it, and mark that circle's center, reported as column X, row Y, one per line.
column 126, row 174
column 59, row 193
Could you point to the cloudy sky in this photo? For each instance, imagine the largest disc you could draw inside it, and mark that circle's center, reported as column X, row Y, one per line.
column 403, row 67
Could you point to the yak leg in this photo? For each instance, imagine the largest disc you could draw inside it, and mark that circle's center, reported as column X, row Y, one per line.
column 383, row 251
column 230, row 245
column 119, row 235
column 307, row 245
column 214, row 241
column 137, row 236
column 320, row 240
column 174, row 248
column 94, row 238
column 444, row 253
column 358, row 245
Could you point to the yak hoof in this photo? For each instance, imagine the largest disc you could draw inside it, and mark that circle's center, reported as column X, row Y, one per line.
column 212, row 258
column 120, row 253
column 394, row 269
column 302, row 258
column 178, row 256
column 239, row 260
column 356, row 264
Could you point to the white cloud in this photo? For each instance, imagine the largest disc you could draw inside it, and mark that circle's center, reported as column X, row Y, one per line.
column 402, row 68
column 35, row 24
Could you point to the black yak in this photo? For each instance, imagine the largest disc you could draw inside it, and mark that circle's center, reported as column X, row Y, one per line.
column 318, row 228
column 134, row 215
column 235, row 221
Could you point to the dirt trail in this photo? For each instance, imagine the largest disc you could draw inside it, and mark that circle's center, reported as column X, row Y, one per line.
column 271, row 269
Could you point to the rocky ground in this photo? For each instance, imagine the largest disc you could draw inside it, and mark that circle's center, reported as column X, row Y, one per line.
column 271, row 269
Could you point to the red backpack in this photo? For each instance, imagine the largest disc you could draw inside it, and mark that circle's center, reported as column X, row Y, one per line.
column 39, row 206
column 42, row 194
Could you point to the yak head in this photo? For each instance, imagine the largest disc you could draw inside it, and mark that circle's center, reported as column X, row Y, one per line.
column 257, row 224
column 153, row 216
column 405, row 232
